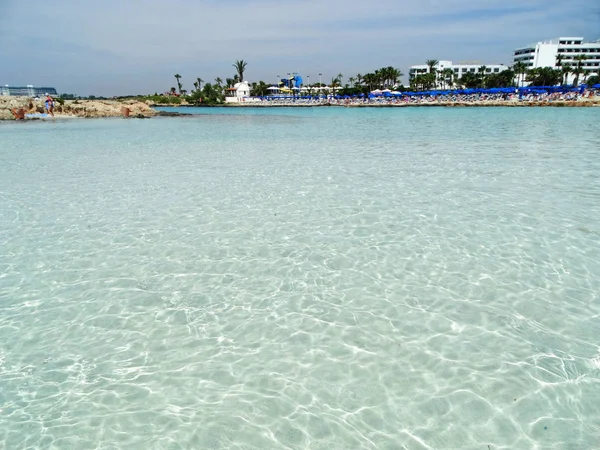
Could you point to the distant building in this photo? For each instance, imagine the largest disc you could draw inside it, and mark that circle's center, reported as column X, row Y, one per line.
column 240, row 92
column 459, row 70
column 545, row 54
column 27, row 91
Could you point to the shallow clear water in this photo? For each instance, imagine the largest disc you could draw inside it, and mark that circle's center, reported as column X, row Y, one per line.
column 311, row 278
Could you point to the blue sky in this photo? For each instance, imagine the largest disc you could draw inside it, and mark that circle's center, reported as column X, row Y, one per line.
column 135, row 46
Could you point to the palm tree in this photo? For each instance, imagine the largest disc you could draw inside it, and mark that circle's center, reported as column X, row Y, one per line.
column 178, row 77
column 431, row 63
column 520, row 68
column 335, row 82
column 195, row 86
column 396, row 75
column 351, row 80
column 390, row 76
column 578, row 68
column 199, row 81
column 559, row 60
column 447, row 76
column 240, row 68
column 218, row 81
column 378, row 78
column 172, row 91
column 359, row 78
column 565, row 70
column 369, row 80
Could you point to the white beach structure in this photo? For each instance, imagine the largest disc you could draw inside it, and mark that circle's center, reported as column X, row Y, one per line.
column 545, row 54
column 459, row 70
column 240, row 92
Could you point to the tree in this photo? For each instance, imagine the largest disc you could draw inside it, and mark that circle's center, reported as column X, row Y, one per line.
column 504, row 79
column 178, row 78
column 172, row 91
column 471, row 80
column 335, row 82
column 578, row 68
column 390, row 76
column 520, row 69
column 544, row 76
column 447, row 77
column 218, row 81
column 559, row 60
column 593, row 80
column 259, row 89
column 565, row 70
column 431, row 63
column 199, row 81
column 240, row 68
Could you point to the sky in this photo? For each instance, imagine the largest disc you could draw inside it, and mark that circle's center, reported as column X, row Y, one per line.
column 119, row 47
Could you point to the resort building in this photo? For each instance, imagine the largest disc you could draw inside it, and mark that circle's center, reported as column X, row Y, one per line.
column 458, row 71
column 27, row 91
column 240, row 92
column 546, row 54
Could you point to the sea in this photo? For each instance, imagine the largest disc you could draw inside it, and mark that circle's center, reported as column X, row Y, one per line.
column 302, row 278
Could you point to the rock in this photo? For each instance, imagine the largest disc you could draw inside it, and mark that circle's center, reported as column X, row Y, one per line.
column 170, row 114
column 79, row 108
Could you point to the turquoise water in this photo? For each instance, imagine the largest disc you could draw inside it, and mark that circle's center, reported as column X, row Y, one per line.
column 302, row 278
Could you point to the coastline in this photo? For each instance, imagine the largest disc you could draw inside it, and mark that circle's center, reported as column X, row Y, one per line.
column 142, row 110
column 76, row 108
column 476, row 104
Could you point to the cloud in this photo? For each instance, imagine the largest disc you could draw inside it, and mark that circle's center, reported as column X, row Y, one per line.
column 137, row 45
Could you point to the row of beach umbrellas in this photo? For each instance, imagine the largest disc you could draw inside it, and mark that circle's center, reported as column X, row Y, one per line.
column 387, row 93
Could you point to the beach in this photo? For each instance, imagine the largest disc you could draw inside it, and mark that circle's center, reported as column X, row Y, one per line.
column 146, row 109
column 316, row 278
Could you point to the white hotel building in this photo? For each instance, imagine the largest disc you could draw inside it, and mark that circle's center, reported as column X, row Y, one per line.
column 458, row 69
column 544, row 54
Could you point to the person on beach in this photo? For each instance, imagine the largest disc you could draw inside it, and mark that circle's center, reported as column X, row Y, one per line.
column 49, row 104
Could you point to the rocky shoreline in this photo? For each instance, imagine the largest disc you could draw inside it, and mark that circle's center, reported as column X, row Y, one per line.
column 76, row 108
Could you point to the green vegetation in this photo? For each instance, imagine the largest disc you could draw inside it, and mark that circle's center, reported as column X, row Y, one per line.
column 161, row 99
column 593, row 80
column 240, row 68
